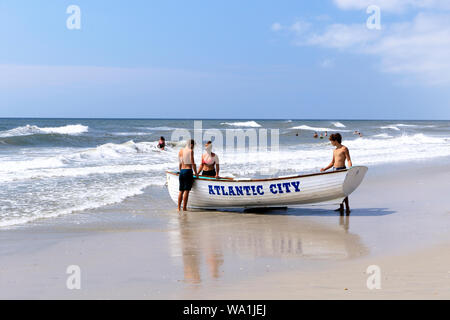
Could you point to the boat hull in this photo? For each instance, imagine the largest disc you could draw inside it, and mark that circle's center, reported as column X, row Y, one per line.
column 330, row 187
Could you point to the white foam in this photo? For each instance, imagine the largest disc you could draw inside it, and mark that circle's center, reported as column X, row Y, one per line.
column 74, row 180
column 104, row 155
column 309, row 128
column 251, row 124
column 114, row 151
column 163, row 128
column 69, row 129
column 392, row 127
column 414, row 125
column 130, row 133
column 382, row 135
column 311, row 157
column 405, row 125
column 27, row 130
column 338, row 125
column 85, row 171
column 102, row 198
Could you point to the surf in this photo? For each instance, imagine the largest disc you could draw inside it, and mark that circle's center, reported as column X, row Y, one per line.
column 27, row 130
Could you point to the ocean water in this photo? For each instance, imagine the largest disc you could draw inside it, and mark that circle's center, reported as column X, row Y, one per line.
column 52, row 167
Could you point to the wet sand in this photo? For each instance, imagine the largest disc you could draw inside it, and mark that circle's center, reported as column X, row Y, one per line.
column 142, row 248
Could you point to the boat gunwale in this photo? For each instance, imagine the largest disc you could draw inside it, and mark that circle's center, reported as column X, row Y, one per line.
column 262, row 180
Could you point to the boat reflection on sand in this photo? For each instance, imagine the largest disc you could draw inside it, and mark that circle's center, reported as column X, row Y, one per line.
column 208, row 239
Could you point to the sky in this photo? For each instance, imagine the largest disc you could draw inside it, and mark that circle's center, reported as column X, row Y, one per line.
column 288, row 59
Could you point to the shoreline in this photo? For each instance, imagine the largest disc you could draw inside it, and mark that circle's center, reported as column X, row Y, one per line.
column 141, row 248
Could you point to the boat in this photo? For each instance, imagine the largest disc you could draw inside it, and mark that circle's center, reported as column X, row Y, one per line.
column 223, row 193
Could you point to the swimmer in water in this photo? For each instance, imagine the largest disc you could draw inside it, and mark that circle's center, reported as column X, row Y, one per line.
column 162, row 143
column 315, row 135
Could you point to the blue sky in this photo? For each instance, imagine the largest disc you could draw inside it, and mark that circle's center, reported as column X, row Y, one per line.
column 226, row 59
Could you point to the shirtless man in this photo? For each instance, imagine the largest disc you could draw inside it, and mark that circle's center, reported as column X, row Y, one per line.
column 186, row 178
column 340, row 154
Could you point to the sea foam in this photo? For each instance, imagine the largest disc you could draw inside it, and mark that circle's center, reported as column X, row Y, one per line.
column 73, row 129
column 251, row 124
column 339, row 125
column 317, row 129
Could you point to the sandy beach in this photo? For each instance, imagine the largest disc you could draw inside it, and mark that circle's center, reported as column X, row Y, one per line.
column 144, row 249
column 280, row 111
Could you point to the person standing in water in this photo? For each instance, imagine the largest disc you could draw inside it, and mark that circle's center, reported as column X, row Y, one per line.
column 210, row 162
column 186, row 178
column 340, row 154
column 162, row 143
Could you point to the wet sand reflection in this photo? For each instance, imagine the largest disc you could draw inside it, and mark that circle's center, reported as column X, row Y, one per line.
column 205, row 240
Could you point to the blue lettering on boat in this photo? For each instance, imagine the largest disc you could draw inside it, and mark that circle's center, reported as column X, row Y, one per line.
column 231, row 191
column 247, row 189
column 259, row 189
column 223, row 191
column 254, row 190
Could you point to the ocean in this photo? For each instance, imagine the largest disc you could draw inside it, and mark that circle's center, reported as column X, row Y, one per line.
column 54, row 167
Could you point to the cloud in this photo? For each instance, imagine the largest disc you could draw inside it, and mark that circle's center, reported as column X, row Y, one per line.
column 298, row 27
column 392, row 5
column 341, row 36
column 276, row 27
column 327, row 63
column 418, row 50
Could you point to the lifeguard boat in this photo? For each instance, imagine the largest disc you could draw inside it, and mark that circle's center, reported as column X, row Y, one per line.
column 221, row 193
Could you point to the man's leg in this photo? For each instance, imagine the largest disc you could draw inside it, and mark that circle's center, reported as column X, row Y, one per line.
column 180, row 197
column 347, row 207
column 341, row 208
column 185, row 200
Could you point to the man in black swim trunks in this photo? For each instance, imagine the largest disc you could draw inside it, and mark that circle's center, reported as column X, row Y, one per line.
column 186, row 178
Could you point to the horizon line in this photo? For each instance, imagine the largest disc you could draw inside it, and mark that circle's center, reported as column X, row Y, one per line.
column 254, row 119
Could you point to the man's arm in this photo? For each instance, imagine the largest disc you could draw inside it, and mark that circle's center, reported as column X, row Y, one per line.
column 179, row 162
column 193, row 163
column 329, row 166
column 347, row 156
column 200, row 169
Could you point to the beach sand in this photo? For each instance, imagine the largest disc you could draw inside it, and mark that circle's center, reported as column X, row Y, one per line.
column 142, row 248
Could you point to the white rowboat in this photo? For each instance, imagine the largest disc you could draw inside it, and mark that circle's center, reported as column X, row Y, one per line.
column 331, row 187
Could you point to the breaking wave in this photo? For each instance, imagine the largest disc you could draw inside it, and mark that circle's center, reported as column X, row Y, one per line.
column 251, row 124
column 339, row 125
column 309, row 128
column 73, row 129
